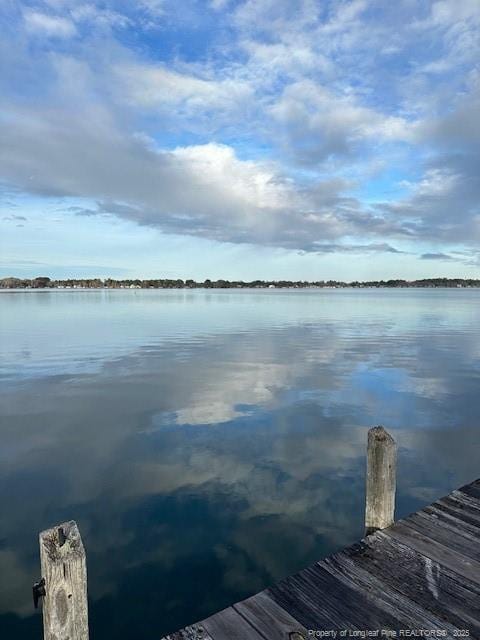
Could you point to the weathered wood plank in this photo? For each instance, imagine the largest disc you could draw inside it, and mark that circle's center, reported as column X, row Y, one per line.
column 438, row 552
column 472, row 489
column 451, row 537
column 472, row 502
column 301, row 604
column 442, row 517
column 458, row 510
column 63, row 565
column 427, row 583
column 410, row 613
column 333, row 600
column 271, row 620
column 373, row 592
column 230, row 624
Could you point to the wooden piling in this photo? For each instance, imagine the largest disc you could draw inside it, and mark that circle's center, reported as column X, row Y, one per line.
column 62, row 557
column 381, row 480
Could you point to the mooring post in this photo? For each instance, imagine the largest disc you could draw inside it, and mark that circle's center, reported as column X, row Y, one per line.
column 381, row 480
column 64, row 578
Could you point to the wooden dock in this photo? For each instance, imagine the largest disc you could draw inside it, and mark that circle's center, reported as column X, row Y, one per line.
column 418, row 578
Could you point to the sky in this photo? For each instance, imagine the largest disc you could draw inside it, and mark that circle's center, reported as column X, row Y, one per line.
column 240, row 138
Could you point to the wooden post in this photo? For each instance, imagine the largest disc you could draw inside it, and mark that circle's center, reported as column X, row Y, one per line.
column 381, row 480
column 64, row 569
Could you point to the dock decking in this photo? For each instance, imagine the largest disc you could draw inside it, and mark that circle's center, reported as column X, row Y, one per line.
column 421, row 574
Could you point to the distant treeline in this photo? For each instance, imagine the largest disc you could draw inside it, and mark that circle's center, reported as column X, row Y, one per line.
column 164, row 283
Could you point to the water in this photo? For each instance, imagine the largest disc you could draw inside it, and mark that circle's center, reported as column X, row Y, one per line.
column 209, row 443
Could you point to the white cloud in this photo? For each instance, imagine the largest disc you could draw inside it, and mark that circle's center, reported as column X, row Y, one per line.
column 277, row 16
column 444, row 12
column 443, row 205
column 96, row 17
column 437, row 183
column 218, row 5
column 345, row 14
column 155, row 7
column 255, row 184
column 156, row 86
column 457, row 26
column 317, row 124
column 44, row 24
column 269, row 60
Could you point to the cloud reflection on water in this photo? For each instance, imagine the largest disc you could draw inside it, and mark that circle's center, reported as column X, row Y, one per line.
column 230, row 460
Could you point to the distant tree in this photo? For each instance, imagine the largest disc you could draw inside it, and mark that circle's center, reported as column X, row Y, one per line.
column 41, row 282
column 11, row 283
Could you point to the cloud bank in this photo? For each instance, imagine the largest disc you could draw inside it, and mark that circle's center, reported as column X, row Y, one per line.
column 327, row 128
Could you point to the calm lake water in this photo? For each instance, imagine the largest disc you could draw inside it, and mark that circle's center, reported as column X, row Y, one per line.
column 209, row 443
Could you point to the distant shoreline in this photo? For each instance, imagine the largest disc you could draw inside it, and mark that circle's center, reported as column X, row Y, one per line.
column 44, row 283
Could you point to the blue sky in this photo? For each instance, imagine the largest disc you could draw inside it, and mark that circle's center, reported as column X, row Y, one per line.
column 240, row 139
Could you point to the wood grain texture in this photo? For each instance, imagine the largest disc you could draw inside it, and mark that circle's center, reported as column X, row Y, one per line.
column 300, row 599
column 435, row 551
column 427, row 583
column 457, row 510
column 63, row 565
column 269, row 619
column 230, row 624
column 451, row 537
column 374, row 593
column 472, row 490
column 473, row 504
